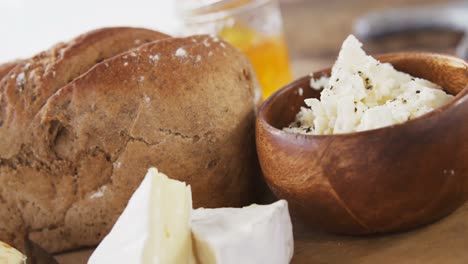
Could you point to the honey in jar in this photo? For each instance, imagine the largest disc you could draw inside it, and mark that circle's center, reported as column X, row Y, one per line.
column 253, row 26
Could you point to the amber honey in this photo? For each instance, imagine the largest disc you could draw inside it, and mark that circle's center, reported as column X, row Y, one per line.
column 253, row 26
column 268, row 54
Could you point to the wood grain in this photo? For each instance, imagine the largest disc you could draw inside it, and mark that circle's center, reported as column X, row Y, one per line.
column 445, row 241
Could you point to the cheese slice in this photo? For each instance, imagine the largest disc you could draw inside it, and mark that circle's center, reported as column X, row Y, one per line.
column 249, row 235
column 154, row 227
column 9, row 255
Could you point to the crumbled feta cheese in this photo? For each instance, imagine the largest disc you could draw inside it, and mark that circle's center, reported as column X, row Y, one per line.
column 364, row 94
column 300, row 91
column 320, row 83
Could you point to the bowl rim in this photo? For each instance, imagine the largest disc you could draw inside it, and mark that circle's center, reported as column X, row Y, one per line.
column 459, row 98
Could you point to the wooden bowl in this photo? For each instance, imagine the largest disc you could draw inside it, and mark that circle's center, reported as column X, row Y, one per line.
column 383, row 180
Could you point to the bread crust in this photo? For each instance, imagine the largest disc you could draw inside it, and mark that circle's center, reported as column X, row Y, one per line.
column 6, row 67
column 184, row 105
column 23, row 92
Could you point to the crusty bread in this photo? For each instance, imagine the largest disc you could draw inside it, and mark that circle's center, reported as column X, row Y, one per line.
column 6, row 67
column 23, row 92
column 31, row 82
column 184, row 105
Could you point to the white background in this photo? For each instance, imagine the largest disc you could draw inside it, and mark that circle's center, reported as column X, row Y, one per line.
column 30, row 26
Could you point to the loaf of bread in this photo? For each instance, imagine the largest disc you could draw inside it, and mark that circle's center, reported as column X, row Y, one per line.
column 82, row 122
column 6, row 67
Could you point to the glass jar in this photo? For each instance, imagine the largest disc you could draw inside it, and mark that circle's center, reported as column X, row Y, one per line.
column 253, row 26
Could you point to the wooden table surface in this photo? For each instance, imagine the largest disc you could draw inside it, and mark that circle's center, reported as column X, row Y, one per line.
column 315, row 30
column 445, row 242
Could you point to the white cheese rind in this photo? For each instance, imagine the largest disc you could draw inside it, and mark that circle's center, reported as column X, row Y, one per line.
column 249, row 235
column 10, row 255
column 364, row 94
column 154, row 227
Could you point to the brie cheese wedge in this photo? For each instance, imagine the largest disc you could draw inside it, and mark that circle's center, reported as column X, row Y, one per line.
column 10, row 255
column 249, row 235
column 154, row 227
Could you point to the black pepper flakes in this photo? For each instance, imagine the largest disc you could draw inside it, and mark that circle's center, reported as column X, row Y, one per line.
column 418, row 91
column 355, row 109
column 308, row 130
column 404, row 101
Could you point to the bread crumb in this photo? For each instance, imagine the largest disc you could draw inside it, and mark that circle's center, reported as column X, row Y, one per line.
column 205, row 43
column 125, row 63
column 141, row 79
column 117, row 164
column 180, row 52
column 210, row 53
column 137, row 42
column 99, row 193
column 12, row 76
column 198, row 58
column 147, row 99
column 133, row 54
column 300, row 91
column 194, row 40
column 154, row 58
column 53, row 74
column 222, row 45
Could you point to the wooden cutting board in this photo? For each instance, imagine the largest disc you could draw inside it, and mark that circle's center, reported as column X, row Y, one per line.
column 445, row 241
